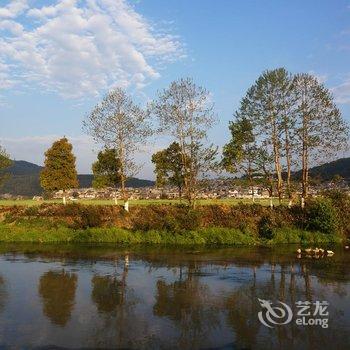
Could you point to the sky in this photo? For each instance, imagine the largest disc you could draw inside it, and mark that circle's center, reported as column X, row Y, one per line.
column 58, row 59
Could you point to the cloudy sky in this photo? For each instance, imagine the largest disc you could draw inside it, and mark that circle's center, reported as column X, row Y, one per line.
column 57, row 58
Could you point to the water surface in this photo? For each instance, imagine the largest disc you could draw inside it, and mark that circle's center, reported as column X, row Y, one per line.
column 76, row 297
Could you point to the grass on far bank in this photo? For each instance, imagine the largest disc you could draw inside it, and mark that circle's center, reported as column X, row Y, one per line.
column 134, row 202
column 40, row 232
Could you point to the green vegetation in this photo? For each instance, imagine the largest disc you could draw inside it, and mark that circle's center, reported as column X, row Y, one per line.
column 106, row 169
column 39, row 232
column 223, row 224
column 168, row 167
column 5, row 162
column 59, row 172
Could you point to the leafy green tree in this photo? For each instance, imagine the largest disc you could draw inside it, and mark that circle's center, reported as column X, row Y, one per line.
column 106, row 169
column 5, row 162
column 240, row 154
column 169, row 169
column 59, row 171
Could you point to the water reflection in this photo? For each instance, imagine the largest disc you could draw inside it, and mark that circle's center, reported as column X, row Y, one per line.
column 3, row 293
column 188, row 303
column 103, row 297
column 57, row 290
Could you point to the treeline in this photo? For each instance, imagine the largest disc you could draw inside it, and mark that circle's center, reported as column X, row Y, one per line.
column 283, row 121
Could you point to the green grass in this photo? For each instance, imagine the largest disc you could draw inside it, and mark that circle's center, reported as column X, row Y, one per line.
column 295, row 235
column 228, row 201
column 42, row 231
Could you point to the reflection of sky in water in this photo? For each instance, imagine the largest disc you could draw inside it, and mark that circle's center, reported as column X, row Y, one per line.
column 186, row 302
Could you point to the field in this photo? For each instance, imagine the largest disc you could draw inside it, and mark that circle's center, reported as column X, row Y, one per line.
column 228, row 201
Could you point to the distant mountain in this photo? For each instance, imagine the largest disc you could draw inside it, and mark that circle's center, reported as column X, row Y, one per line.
column 24, row 180
column 327, row 171
column 24, row 177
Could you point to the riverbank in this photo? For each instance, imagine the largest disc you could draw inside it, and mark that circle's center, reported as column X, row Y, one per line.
column 40, row 233
column 320, row 222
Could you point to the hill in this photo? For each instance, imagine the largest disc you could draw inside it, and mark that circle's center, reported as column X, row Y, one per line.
column 24, row 177
column 327, row 171
column 24, row 180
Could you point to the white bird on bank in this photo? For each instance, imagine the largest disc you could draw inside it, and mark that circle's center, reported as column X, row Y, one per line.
column 330, row 252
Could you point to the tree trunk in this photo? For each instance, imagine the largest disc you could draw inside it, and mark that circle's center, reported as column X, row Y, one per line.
column 305, row 161
column 64, row 198
column 278, row 168
column 289, row 162
column 180, row 192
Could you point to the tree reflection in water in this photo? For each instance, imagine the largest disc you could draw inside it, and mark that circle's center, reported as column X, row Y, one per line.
column 106, row 293
column 116, row 304
column 3, row 293
column 174, row 299
column 190, row 305
column 243, row 308
column 57, row 291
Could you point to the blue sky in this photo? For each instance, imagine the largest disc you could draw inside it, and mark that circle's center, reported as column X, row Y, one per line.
column 57, row 58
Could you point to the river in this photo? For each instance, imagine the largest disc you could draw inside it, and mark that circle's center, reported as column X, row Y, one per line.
column 87, row 297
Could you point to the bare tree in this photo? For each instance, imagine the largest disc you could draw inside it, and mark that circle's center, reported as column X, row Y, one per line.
column 321, row 130
column 185, row 111
column 118, row 123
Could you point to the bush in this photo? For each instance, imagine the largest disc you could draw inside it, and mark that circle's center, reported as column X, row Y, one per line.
column 321, row 216
column 266, row 226
column 89, row 216
column 341, row 202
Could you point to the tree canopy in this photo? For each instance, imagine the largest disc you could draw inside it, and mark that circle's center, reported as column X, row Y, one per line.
column 185, row 112
column 59, row 171
column 5, row 162
column 119, row 123
column 106, row 169
column 169, row 169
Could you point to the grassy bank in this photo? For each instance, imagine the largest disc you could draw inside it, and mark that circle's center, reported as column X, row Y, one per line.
column 325, row 220
column 42, row 232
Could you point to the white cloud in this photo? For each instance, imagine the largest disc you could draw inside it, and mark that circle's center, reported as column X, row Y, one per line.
column 342, row 92
column 13, row 8
column 79, row 48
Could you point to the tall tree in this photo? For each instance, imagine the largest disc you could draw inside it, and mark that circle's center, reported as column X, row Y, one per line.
column 240, row 153
column 106, row 170
column 59, row 171
column 185, row 111
column 118, row 123
column 5, row 162
column 267, row 105
column 169, row 169
column 321, row 130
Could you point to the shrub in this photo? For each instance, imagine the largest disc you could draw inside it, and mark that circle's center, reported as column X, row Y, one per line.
column 266, row 226
column 321, row 216
column 341, row 202
column 88, row 216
